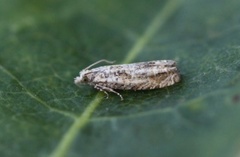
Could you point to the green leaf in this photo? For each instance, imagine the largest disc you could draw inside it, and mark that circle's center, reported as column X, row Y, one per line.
column 44, row 44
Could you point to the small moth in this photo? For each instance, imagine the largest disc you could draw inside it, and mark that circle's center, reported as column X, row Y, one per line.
column 135, row 76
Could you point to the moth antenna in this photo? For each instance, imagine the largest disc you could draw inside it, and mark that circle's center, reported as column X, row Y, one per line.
column 102, row 60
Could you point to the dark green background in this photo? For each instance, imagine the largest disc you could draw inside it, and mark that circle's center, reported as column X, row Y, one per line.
column 44, row 44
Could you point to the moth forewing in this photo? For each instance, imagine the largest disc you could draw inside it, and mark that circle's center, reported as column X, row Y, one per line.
column 135, row 76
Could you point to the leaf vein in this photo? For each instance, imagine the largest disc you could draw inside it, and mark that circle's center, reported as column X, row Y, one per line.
column 33, row 96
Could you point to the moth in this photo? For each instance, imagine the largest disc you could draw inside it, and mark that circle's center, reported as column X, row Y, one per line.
column 134, row 76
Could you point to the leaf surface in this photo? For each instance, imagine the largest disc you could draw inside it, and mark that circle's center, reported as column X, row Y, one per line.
column 44, row 45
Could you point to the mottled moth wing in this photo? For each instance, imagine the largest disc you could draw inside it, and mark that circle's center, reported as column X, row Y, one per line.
column 137, row 76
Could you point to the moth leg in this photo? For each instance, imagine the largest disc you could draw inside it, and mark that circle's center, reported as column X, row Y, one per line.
column 107, row 89
column 102, row 90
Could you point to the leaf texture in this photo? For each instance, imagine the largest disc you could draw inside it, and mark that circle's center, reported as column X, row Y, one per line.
column 44, row 45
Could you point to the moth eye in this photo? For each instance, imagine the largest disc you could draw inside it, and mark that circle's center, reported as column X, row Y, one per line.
column 84, row 79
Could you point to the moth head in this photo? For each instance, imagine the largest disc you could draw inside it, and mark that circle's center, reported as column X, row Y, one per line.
column 82, row 78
